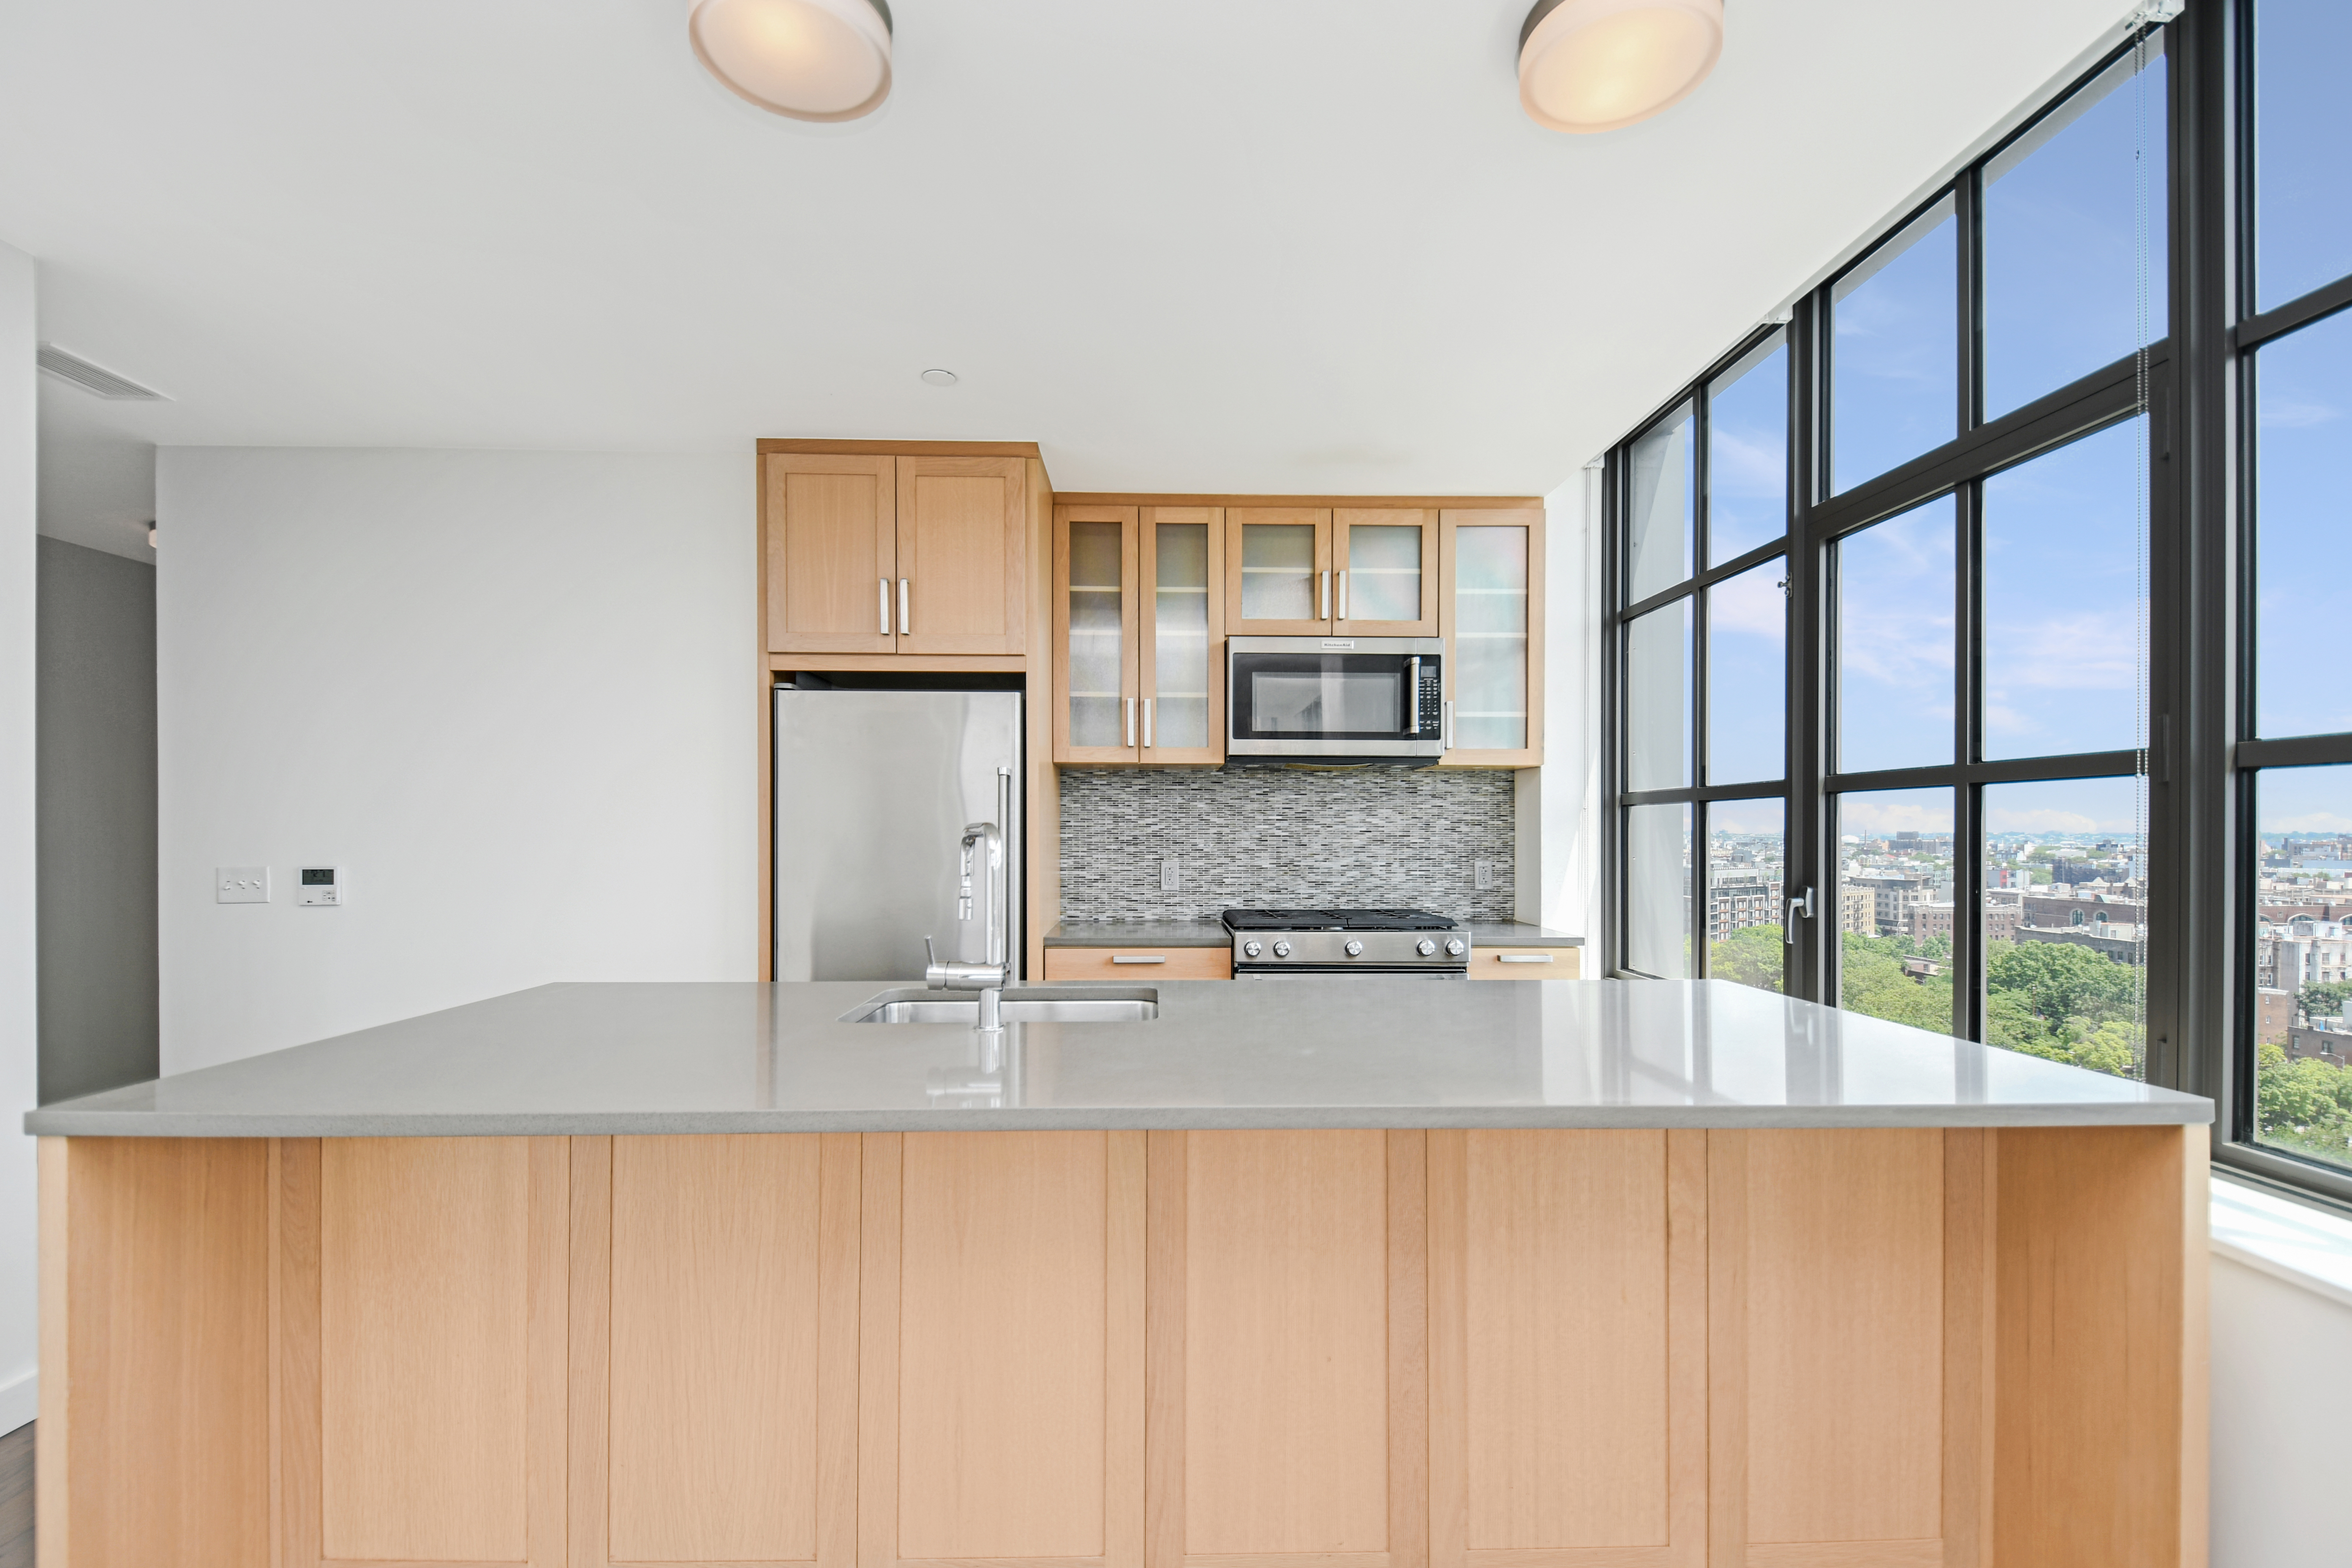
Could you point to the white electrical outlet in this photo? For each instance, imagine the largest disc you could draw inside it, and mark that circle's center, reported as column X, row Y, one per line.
column 1169, row 880
column 240, row 884
column 1482, row 873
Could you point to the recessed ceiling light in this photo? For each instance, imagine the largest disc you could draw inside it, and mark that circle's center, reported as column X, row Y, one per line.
column 939, row 378
column 806, row 59
column 1595, row 65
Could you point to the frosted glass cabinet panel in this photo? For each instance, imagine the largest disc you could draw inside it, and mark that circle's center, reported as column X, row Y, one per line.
column 1493, row 574
column 1386, row 564
column 1140, row 602
column 1278, row 566
column 1184, row 636
column 1095, row 625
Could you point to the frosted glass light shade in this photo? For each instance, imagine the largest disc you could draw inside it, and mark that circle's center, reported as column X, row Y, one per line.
column 1595, row 65
column 807, row 59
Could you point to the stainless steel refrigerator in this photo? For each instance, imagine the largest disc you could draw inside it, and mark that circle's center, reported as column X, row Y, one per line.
column 873, row 792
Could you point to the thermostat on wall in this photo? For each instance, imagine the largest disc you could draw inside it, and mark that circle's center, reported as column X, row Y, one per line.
column 319, row 885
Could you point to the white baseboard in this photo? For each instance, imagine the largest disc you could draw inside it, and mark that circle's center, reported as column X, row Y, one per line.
column 20, row 1400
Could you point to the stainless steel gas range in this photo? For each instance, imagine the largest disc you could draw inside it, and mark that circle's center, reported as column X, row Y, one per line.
column 1348, row 942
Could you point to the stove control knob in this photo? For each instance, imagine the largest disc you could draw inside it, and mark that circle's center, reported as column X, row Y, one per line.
column 1282, row 949
column 1354, row 949
column 1425, row 947
column 1456, row 947
column 1251, row 950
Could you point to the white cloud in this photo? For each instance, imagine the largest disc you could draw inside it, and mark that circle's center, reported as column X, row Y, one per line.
column 1929, row 811
column 2049, row 819
column 2308, row 822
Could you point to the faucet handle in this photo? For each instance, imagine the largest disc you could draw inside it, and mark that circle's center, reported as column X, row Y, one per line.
column 930, row 955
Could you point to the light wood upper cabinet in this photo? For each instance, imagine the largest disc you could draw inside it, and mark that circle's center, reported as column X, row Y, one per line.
column 1139, row 635
column 963, row 556
column 1278, row 571
column 882, row 555
column 1490, row 569
column 832, row 553
column 1385, row 562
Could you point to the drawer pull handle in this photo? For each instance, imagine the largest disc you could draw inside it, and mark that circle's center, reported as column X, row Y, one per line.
column 1139, row 958
column 1523, row 958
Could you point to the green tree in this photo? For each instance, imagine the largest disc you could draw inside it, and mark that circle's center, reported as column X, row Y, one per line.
column 1872, row 981
column 2060, row 981
column 1753, row 955
column 2324, row 998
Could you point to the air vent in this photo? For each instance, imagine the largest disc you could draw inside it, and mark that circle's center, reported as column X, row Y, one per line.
column 91, row 378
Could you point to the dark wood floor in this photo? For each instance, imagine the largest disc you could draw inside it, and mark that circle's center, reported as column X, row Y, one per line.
column 16, row 1498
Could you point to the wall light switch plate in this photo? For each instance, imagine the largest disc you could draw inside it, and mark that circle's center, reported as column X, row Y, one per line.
column 1482, row 873
column 241, row 884
column 1169, row 880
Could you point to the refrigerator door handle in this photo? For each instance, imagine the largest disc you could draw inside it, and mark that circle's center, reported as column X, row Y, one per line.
column 884, row 584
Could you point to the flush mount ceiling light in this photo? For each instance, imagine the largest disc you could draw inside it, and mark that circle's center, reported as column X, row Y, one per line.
column 939, row 378
column 806, row 59
column 1595, row 65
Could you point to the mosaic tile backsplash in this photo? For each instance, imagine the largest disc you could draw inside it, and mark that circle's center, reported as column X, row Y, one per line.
column 1373, row 838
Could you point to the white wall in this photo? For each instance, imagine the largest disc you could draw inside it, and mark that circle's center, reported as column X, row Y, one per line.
column 19, row 1002
column 1569, row 814
column 510, row 693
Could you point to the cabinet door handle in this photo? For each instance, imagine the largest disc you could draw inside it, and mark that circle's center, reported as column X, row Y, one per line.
column 1146, row 723
column 1139, row 958
column 1131, row 720
column 1323, row 597
column 1343, row 593
column 1449, row 727
column 906, row 621
column 884, row 584
column 1523, row 958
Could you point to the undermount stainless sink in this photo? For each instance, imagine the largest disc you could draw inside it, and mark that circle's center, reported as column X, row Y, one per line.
column 1032, row 1004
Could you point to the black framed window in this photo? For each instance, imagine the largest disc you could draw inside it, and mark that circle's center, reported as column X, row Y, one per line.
column 1929, row 715
column 2067, row 767
column 2292, row 1046
column 1701, row 651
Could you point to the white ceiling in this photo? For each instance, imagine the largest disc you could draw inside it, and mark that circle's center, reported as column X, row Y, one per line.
column 1228, row 245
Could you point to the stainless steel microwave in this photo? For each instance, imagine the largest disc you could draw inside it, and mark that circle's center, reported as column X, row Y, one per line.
column 1335, row 701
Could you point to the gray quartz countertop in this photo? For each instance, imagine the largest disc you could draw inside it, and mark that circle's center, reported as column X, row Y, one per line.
column 1211, row 933
column 1353, row 1051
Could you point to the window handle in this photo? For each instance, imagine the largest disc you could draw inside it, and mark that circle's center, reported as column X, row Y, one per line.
column 884, row 584
column 1799, row 908
column 905, row 622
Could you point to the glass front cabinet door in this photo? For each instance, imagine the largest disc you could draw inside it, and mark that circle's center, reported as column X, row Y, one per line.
column 1384, row 571
column 1139, row 634
column 1306, row 571
column 1491, row 572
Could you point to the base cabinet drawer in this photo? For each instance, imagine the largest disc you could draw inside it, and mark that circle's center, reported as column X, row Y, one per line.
column 1138, row 964
column 1525, row 962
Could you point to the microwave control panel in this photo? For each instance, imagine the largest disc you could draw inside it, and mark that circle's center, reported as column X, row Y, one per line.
column 1432, row 704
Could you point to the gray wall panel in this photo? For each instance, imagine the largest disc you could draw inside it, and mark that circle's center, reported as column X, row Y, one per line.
column 96, row 771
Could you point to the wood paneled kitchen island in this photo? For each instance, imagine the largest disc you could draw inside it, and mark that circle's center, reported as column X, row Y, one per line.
column 1533, row 1275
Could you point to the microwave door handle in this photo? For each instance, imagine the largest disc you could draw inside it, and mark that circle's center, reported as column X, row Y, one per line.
column 1413, row 688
